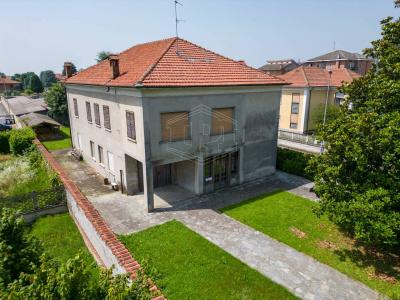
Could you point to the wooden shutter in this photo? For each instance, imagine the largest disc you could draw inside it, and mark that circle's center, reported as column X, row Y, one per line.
column 96, row 114
column 296, row 98
column 76, row 107
column 130, row 124
column 294, row 118
column 222, row 120
column 106, row 112
column 88, row 112
column 175, row 125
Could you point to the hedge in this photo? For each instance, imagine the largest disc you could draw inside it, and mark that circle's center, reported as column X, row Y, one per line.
column 294, row 162
column 21, row 139
column 4, row 142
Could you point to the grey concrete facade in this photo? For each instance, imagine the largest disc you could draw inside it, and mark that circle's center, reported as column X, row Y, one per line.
column 256, row 114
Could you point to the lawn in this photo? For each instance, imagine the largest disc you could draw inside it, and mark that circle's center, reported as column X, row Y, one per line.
column 61, row 238
column 60, row 144
column 289, row 219
column 190, row 267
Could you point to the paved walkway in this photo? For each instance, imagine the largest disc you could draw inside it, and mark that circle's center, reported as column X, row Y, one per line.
column 304, row 276
column 298, row 146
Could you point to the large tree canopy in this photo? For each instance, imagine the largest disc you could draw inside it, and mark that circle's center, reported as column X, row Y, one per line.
column 56, row 99
column 332, row 113
column 358, row 178
column 35, row 84
column 47, row 78
column 102, row 55
column 73, row 69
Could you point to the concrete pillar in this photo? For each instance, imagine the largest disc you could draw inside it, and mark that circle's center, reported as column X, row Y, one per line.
column 131, row 175
column 148, row 186
column 199, row 177
column 241, row 168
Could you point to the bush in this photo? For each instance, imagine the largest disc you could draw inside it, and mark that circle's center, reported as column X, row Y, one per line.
column 16, row 93
column 21, row 139
column 29, row 92
column 4, row 142
column 294, row 162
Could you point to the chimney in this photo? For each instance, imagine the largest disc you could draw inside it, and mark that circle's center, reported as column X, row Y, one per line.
column 114, row 65
column 242, row 62
column 68, row 69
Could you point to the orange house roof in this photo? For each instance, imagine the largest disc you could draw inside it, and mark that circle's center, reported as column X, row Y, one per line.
column 8, row 81
column 314, row 76
column 157, row 64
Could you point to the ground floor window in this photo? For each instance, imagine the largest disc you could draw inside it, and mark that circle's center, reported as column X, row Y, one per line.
column 234, row 162
column 101, row 160
column 217, row 168
column 92, row 149
column 110, row 157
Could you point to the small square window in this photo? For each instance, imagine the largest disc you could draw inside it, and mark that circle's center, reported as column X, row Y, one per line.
column 293, row 125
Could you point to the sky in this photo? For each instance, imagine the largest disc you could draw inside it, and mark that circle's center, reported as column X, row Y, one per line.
column 42, row 34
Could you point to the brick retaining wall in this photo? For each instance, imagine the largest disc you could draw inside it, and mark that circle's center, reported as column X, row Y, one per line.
column 99, row 237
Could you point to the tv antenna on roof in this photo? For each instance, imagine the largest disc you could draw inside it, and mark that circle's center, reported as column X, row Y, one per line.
column 176, row 26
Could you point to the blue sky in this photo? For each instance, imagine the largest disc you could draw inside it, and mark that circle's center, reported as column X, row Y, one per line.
column 40, row 35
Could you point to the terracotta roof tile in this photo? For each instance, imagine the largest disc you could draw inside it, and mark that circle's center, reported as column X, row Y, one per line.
column 313, row 76
column 8, row 81
column 157, row 64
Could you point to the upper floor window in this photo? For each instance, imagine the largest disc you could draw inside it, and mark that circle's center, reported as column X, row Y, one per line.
column 130, row 124
column 96, row 114
column 295, row 103
column 88, row 112
column 106, row 112
column 222, row 120
column 76, row 108
column 175, row 126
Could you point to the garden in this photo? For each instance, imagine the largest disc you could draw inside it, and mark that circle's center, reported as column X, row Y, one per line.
column 65, row 142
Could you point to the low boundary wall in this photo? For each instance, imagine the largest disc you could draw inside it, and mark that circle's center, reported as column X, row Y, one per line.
column 97, row 234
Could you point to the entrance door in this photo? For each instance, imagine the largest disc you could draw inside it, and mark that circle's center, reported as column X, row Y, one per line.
column 220, row 171
column 162, row 175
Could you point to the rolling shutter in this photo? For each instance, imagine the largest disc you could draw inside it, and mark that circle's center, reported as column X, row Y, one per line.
column 174, row 125
column 222, row 120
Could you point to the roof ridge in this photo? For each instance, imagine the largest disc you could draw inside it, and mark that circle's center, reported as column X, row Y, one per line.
column 304, row 76
column 151, row 68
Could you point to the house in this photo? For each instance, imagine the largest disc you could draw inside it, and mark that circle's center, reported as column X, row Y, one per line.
column 59, row 76
column 340, row 59
column 279, row 67
column 171, row 112
column 307, row 89
column 6, row 84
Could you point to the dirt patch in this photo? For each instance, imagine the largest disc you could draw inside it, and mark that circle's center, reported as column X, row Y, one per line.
column 382, row 276
column 300, row 234
column 321, row 225
column 327, row 245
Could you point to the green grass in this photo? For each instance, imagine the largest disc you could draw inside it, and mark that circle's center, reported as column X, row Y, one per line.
column 278, row 213
column 190, row 267
column 61, row 238
column 60, row 144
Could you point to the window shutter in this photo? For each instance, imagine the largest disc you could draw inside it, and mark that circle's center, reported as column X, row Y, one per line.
column 88, row 112
column 296, row 98
column 130, row 124
column 294, row 118
column 106, row 112
column 76, row 107
column 175, row 125
column 96, row 114
column 222, row 120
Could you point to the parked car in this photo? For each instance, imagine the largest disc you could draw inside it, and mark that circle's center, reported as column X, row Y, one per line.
column 5, row 127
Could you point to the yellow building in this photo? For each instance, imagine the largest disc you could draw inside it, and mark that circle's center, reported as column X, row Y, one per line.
column 308, row 88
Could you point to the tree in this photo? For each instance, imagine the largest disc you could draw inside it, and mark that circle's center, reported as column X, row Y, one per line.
column 102, row 55
column 25, row 79
column 332, row 113
column 73, row 69
column 35, row 84
column 358, row 178
column 47, row 78
column 2, row 74
column 56, row 99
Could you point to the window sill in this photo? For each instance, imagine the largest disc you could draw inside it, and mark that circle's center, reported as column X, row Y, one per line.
column 98, row 126
column 111, row 172
column 220, row 133
column 90, row 122
column 94, row 159
column 176, row 140
column 77, row 117
column 102, row 165
column 132, row 140
column 106, row 129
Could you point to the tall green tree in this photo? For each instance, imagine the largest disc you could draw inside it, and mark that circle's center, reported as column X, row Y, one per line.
column 47, row 78
column 332, row 113
column 358, row 178
column 73, row 69
column 102, row 55
column 35, row 84
column 25, row 79
column 56, row 99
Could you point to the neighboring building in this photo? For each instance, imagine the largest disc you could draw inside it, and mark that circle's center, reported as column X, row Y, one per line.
column 6, row 84
column 21, row 105
column 171, row 112
column 307, row 89
column 340, row 59
column 279, row 67
column 59, row 76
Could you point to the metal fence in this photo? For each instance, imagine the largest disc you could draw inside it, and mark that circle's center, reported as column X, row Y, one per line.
column 297, row 137
column 35, row 200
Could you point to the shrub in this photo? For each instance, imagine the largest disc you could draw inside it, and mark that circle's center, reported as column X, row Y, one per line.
column 294, row 162
column 4, row 142
column 21, row 139
column 16, row 93
column 29, row 92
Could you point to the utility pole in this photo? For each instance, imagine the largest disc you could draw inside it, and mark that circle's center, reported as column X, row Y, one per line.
column 321, row 150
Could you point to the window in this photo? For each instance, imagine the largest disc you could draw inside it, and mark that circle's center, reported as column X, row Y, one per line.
column 92, row 149
column 293, row 125
column 96, row 114
column 175, row 126
column 130, row 124
column 324, row 65
column 110, row 157
column 295, row 103
column 339, row 99
column 101, row 159
column 274, row 72
column 268, row 72
column 79, row 141
column 222, row 120
column 106, row 112
column 76, row 108
column 234, row 162
column 88, row 112
column 310, row 65
column 208, row 169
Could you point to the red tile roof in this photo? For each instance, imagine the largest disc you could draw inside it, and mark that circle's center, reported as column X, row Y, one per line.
column 8, row 81
column 157, row 64
column 314, row 76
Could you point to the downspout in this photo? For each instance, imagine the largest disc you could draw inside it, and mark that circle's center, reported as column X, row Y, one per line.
column 308, row 108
